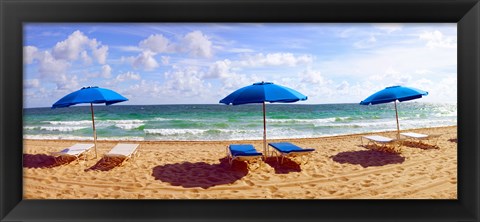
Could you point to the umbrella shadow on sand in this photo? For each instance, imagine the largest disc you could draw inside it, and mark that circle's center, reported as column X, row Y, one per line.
column 44, row 161
column 286, row 167
column 200, row 174
column 106, row 164
column 368, row 158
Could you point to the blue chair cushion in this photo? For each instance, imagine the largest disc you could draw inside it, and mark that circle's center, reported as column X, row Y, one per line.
column 243, row 150
column 288, row 147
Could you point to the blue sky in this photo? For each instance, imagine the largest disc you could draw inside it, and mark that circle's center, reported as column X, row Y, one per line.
column 191, row 63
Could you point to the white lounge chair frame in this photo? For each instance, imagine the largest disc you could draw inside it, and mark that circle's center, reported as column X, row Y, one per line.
column 75, row 151
column 128, row 151
column 382, row 141
column 292, row 154
column 419, row 137
column 231, row 158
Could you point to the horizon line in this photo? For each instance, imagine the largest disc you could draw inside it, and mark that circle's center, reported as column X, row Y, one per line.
column 180, row 104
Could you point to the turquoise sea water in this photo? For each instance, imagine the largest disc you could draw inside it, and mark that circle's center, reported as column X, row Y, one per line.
column 222, row 122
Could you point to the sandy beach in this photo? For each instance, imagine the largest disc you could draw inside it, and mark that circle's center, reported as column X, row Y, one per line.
column 340, row 168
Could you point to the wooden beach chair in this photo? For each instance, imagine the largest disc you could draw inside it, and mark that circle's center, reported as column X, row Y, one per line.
column 122, row 150
column 286, row 149
column 384, row 143
column 242, row 152
column 74, row 151
column 422, row 137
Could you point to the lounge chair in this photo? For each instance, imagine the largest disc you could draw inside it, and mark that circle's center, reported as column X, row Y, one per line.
column 419, row 137
column 122, row 150
column 383, row 142
column 74, row 151
column 286, row 149
column 242, row 152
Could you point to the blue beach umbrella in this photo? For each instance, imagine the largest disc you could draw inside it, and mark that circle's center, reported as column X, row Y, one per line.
column 260, row 93
column 392, row 94
column 91, row 95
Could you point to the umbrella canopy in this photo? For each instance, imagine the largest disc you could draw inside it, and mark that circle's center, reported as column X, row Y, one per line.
column 392, row 94
column 263, row 92
column 260, row 93
column 91, row 95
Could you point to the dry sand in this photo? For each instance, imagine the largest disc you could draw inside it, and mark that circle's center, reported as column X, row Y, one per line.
column 339, row 169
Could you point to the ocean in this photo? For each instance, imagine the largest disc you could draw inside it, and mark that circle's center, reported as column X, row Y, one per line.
column 222, row 122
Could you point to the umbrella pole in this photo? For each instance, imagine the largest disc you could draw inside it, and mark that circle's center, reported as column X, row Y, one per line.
column 396, row 115
column 94, row 131
column 264, row 131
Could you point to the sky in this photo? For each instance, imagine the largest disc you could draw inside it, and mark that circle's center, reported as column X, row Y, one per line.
column 201, row 63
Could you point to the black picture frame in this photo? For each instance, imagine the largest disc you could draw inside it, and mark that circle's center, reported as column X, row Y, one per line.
column 13, row 13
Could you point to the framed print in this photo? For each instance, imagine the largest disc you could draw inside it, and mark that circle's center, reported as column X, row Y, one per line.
column 147, row 110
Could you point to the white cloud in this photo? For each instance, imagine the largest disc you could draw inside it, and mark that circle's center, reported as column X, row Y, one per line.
column 145, row 61
column 436, row 39
column 346, row 33
column 86, row 59
column 51, row 67
column 100, row 53
column 31, row 83
column 29, row 54
column 55, row 71
column 127, row 76
column 74, row 46
column 439, row 89
column 186, row 82
column 275, row 59
column 143, row 89
column 156, row 43
column 312, row 76
column 220, row 69
column 67, row 82
column 197, row 44
column 366, row 43
column 106, row 71
column 388, row 27
column 343, row 86
column 391, row 62
column 70, row 48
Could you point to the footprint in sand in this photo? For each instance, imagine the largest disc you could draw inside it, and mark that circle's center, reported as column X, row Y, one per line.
column 137, row 185
column 273, row 189
column 331, row 192
column 343, row 179
column 250, row 183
